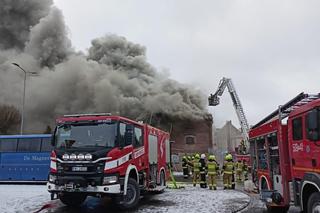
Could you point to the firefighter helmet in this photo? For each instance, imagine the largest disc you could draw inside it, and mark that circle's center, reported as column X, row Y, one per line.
column 197, row 156
column 228, row 157
column 203, row 156
column 211, row 158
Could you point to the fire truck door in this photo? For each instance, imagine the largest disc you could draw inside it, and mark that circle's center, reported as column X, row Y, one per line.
column 153, row 157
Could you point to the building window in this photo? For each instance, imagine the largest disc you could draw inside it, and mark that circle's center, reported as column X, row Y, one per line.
column 190, row 139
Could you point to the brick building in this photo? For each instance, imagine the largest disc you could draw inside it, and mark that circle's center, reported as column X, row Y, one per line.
column 191, row 136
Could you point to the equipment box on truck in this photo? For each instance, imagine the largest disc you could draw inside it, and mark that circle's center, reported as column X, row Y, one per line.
column 105, row 155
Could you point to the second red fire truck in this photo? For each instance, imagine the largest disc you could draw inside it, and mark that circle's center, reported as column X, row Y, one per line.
column 285, row 152
column 105, row 155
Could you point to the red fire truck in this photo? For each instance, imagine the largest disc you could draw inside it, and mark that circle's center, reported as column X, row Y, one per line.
column 285, row 149
column 104, row 155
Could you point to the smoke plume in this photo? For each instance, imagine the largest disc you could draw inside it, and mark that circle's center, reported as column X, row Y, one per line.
column 114, row 76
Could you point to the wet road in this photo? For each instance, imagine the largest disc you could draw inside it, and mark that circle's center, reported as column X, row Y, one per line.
column 189, row 199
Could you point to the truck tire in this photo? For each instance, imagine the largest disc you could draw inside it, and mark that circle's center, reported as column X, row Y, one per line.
column 131, row 199
column 72, row 199
column 314, row 203
column 162, row 179
column 161, row 183
column 277, row 209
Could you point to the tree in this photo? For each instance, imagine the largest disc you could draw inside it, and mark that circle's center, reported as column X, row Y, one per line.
column 9, row 118
column 48, row 130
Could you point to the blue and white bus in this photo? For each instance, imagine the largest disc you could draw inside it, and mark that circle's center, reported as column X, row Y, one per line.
column 25, row 158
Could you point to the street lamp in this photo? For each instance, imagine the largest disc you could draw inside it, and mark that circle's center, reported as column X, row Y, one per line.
column 24, row 93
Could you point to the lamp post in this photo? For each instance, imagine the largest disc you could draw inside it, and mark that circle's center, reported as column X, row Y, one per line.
column 24, row 94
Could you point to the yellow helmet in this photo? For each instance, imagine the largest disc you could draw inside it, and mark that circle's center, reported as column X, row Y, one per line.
column 212, row 157
column 228, row 157
column 197, row 156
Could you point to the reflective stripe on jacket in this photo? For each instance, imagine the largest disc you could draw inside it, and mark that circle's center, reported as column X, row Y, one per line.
column 228, row 167
column 212, row 168
column 196, row 166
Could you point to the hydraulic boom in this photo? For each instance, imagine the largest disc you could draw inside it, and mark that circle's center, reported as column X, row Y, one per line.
column 214, row 101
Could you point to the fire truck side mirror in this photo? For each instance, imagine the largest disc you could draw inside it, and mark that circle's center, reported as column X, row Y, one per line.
column 53, row 138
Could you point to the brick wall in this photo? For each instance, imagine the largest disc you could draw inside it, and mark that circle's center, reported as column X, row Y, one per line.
column 200, row 131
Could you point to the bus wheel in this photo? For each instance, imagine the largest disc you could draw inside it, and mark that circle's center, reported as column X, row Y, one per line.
column 314, row 203
column 277, row 209
column 72, row 199
column 131, row 199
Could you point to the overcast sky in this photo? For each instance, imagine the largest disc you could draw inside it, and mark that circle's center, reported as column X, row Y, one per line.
column 270, row 49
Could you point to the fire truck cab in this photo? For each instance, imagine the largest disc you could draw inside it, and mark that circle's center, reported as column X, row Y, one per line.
column 104, row 155
column 285, row 158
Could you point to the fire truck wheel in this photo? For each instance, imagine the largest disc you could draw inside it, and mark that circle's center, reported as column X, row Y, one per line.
column 161, row 183
column 162, row 179
column 277, row 209
column 72, row 199
column 131, row 199
column 314, row 203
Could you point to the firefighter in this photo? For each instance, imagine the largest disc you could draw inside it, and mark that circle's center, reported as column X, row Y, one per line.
column 213, row 171
column 196, row 169
column 228, row 172
column 242, row 147
column 239, row 170
column 203, row 182
column 190, row 163
column 185, row 168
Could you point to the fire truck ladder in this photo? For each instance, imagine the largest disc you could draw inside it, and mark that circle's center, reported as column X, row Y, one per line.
column 214, row 101
column 284, row 110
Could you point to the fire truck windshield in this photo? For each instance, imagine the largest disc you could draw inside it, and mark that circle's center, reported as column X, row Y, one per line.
column 90, row 135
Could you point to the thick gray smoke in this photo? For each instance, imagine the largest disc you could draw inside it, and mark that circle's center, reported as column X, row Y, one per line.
column 114, row 77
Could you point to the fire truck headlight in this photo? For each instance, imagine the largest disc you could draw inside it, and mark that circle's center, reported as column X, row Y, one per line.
column 81, row 157
column 73, row 157
column 110, row 180
column 88, row 157
column 52, row 178
column 65, row 157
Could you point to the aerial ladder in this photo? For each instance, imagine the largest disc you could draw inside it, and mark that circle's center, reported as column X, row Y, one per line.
column 214, row 100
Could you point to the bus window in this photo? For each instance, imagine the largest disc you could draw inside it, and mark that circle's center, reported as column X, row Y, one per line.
column 29, row 145
column 46, row 145
column 8, row 145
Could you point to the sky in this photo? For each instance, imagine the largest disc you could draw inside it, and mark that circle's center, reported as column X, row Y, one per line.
column 270, row 49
